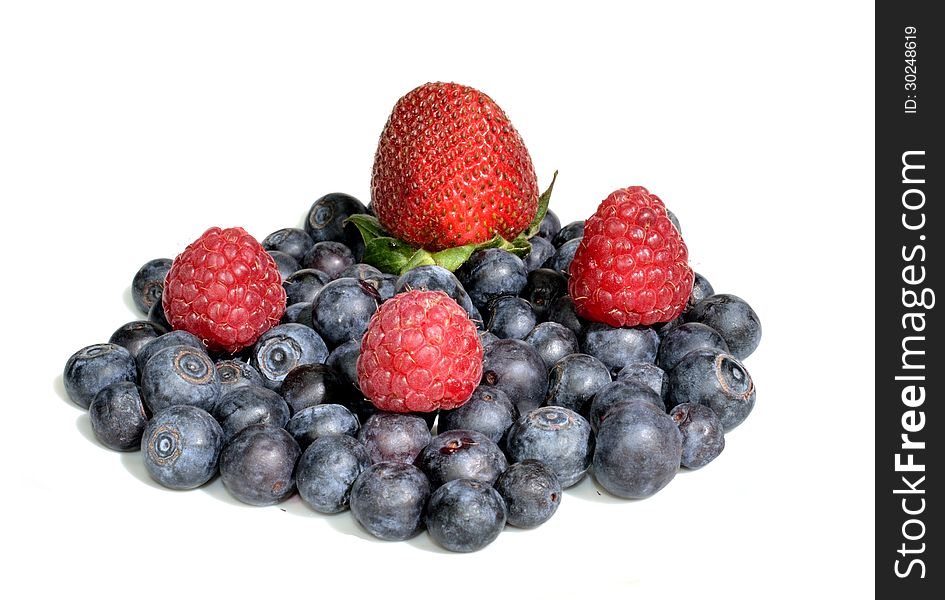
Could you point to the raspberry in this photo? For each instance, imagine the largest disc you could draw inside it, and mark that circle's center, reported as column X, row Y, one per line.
column 225, row 289
column 631, row 268
column 421, row 352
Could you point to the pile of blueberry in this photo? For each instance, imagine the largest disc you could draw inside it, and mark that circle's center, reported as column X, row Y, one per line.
column 560, row 396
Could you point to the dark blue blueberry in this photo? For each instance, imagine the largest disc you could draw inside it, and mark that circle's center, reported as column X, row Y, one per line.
column 313, row 422
column 388, row 499
column 701, row 289
column 181, row 447
column 250, row 405
column 95, row 367
column 549, row 227
column 330, row 258
column 510, row 317
column 487, row 338
column 311, row 385
column 303, row 285
column 180, row 375
column 172, row 338
column 342, row 310
column 491, row 273
column 433, row 277
column 257, row 466
column 558, row 437
column 394, row 436
column 733, row 318
column 147, row 286
column 638, row 450
column 300, row 312
column 562, row 311
column 531, row 491
column 684, row 339
column 328, row 469
column 360, row 271
column 465, row 515
column 283, row 348
column 156, row 315
column 135, row 335
column 326, row 219
column 702, row 436
column 285, row 263
column 293, row 241
column 618, row 347
column 573, row 381
column 561, row 261
column 553, row 341
column 673, row 220
column 118, row 416
column 516, row 368
column 646, row 373
column 620, row 392
column 489, row 411
column 715, row 379
column 572, row 231
column 344, row 360
column 461, row 454
column 544, row 286
column 236, row 373
column 541, row 251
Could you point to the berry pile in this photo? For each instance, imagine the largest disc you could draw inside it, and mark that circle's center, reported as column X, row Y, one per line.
column 452, row 388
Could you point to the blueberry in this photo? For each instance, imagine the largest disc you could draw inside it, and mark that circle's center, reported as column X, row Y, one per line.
column 620, row 392
column 93, row 368
column 733, row 318
column 342, row 310
column 465, row 515
column 303, row 285
column 257, row 466
column 360, row 271
column 516, row 368
column 283, row 348
column 344, row 360
column 433, row 277
column 488, row 338
column 542, row 288
column 394, row 436
column 558, row 437
column 327, row 470
column 702, row 436
column 549, row 227
column 313, row 422
column 715, row 379
column 573, row 381
column 330, row 258
column 156, row 315
column 172, row 338
column 311, row 385
column 553, row 341
column 684, row 339
column 618, row 347
column 181, row 447
column 571, row 231
column 326, row 219
column 180, row 375
column 561, row 261
column 388, row 500
column 531, row 492
column 285, row 263
column 489, row 411
column 646, row 373
column 300, row 312
column 249, row 405
column 510, row 317
column 562, row 311
column 540, row 252
column 673, row 220
column 638, row 450
column 491, row 273
column 236, row 373
column 701, row 289
column 135, row 335
column 461, row 454
column 292, row 241
column 118, row 416
column 147, row 286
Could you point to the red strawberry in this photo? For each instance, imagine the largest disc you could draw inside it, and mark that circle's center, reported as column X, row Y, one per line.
column 225, row 289
column 631, row 267
column 451, row 170
column 421, row 352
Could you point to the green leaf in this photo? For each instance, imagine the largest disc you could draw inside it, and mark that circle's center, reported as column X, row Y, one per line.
column 388, row 254
column 543, row 201
column 369, row 227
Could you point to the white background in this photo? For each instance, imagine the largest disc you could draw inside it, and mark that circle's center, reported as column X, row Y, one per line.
column 127, row 129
